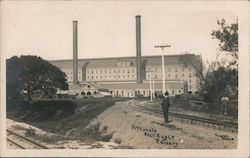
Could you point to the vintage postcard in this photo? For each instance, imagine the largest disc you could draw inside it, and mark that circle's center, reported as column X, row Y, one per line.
column 124, row 78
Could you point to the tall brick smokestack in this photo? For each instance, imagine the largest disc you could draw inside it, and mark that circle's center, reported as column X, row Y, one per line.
column 75, row 58
column 138, row 49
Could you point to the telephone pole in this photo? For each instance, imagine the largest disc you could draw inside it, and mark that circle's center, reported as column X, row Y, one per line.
column 163, row 66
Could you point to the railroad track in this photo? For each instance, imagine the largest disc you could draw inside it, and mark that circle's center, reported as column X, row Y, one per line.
column 22, row 142
column 192, row 119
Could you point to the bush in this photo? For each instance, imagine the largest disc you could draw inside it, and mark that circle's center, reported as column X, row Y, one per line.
column 118, row 140
column 50, row 109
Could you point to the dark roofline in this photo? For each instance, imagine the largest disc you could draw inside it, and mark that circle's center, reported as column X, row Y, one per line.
column 128, row 57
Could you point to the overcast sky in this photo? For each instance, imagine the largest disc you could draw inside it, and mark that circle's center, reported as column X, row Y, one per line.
column 107, row 28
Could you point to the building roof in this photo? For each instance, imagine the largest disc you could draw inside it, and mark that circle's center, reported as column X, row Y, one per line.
column 111, row 62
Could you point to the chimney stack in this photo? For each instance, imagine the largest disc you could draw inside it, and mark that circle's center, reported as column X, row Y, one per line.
column 75, row 58
column 138, row 49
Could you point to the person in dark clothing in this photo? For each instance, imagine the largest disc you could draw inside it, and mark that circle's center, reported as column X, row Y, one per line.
column 165, row 106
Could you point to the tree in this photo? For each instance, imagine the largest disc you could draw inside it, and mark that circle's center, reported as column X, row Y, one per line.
column 220, row 78
column 219, row 82
column 228, row 38
column 32, row 74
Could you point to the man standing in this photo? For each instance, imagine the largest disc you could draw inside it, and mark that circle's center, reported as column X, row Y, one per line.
column 165, row 106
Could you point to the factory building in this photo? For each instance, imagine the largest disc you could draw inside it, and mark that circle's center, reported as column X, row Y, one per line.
column 130, row 76
column 119, row 75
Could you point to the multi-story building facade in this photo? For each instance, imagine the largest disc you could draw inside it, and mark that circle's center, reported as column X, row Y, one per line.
column 118, row 75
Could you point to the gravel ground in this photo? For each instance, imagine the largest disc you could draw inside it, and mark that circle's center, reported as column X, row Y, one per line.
column 121, row 127
column 143, row 131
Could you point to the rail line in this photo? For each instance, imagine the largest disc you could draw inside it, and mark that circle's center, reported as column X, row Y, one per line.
column 23, row 142
column 187, row 117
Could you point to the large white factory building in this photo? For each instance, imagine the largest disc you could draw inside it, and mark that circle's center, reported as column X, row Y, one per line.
column 130, row 76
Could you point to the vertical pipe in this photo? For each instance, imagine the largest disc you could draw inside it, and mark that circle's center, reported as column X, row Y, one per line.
column 153, row 88
column 75, row 58
column 138, row 49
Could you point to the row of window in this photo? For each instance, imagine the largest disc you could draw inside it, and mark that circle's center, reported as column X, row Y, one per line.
column 124, row 63
column 130, row 94
column 110, row 71
column 176, row 69
column 111, row 77
column 124, row 71
column 169, row 76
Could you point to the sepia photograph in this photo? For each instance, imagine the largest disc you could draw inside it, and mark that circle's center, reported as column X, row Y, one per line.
column 110, row 78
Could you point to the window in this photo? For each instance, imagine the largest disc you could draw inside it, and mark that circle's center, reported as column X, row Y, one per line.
column 128, row 94
column 179, row 91
column 169, row 75
column 190, row 81
column 183, row 75
column 190, row 75
column 176, row 69
column 173, row 92
column 176, row 76
column 143, row 92
column 183, row 69
column 190, row 87
column 122, row 93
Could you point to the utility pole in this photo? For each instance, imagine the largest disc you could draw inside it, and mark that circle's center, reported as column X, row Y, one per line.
column 150, row 85
column 153, row 88
column 163, row 66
